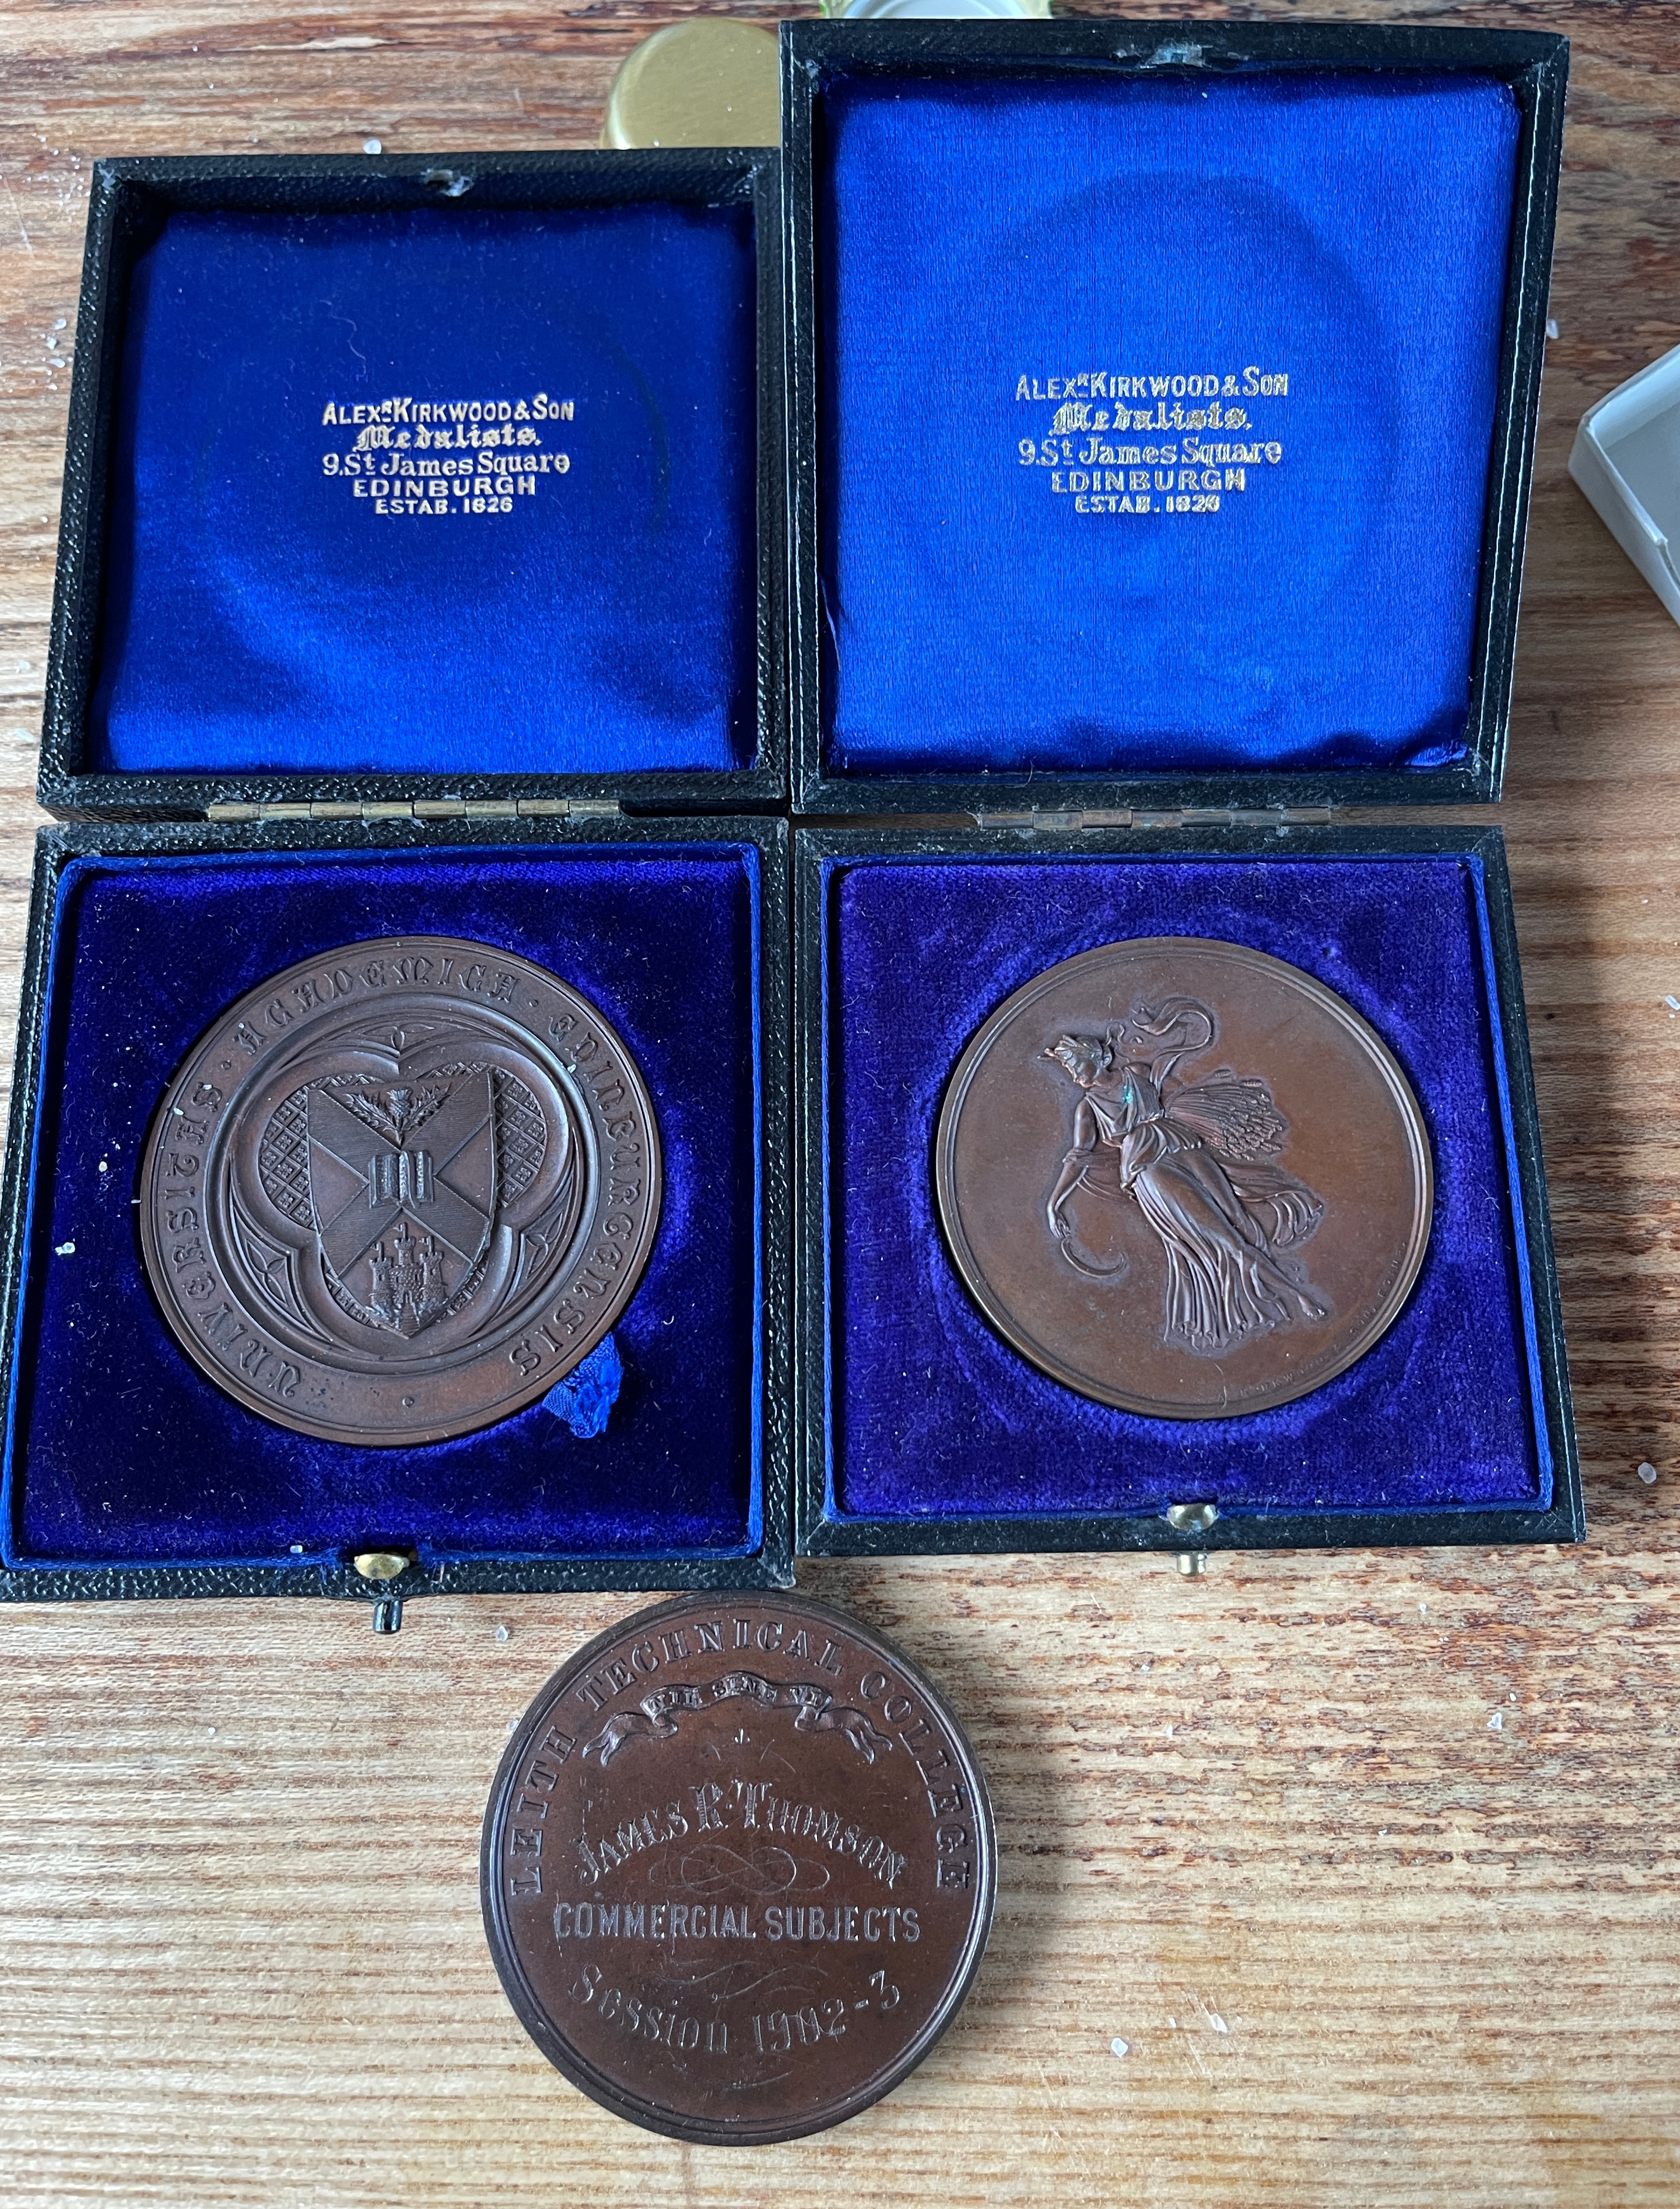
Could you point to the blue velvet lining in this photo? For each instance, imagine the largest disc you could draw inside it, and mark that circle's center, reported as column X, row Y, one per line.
column 930, row 1412
column 257, row 614
column 120, row 1451
column 983, row 246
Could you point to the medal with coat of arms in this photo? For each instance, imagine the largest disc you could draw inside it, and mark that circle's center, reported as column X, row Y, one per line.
column 397, row 1192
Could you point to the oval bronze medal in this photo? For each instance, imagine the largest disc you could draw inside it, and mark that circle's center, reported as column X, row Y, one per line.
column 737, row 1868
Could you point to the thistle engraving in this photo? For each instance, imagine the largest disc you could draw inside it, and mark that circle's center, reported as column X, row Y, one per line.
column 1196, row 1157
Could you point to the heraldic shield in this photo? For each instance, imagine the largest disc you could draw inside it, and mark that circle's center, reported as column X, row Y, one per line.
column 403, row 1191
column 422, row 1188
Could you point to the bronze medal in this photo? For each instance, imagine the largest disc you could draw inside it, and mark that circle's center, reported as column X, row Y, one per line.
column 737, row 1868
column 1184, row 1178
column 400, row 1190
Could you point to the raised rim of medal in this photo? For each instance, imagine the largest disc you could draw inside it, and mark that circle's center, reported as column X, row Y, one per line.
column 566, row 2058
column 1285, row 1391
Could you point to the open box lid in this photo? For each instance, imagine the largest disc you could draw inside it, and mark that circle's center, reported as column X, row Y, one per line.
column 429, row 483
column 1162, row 409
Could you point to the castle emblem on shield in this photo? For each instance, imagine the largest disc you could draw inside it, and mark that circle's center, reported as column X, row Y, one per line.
column 401, row 1182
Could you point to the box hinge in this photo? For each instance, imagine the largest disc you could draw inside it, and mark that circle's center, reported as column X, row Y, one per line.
column 1041, row 818
column 427, row 809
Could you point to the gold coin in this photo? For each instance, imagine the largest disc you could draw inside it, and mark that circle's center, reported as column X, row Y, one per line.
column 707, row 81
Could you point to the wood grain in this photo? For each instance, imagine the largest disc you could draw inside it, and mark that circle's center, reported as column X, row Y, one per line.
column 1359, row 1944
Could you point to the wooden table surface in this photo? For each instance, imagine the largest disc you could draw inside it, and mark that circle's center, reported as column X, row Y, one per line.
column 1328, row 1879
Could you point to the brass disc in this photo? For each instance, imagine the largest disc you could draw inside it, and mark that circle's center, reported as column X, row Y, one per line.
column 706, row 81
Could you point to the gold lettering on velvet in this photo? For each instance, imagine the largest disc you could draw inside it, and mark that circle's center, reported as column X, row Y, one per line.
column 445, row 456
column 1092, row 446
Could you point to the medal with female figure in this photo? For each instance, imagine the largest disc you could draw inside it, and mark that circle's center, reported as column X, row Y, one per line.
column 1221, row 1233
column 1195, row 1157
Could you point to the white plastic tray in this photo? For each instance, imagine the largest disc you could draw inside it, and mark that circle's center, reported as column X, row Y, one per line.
column 1626, row 458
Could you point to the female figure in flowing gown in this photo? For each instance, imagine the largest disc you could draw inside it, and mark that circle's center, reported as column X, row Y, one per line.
column 1194, row 1158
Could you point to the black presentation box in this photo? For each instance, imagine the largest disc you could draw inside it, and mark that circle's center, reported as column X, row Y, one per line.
column 921, row 1429
column 128, row 1472
column 1040, row 213
column 423, row 528
column 1185, row 507
column 424, row 482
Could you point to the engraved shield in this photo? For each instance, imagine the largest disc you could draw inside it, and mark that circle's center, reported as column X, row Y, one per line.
column 403, row 1191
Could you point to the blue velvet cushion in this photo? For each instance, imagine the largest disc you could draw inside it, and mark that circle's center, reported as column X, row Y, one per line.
column 931, row 1412
column 1042, row 296
column 119, row 1450
column 258, row 614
